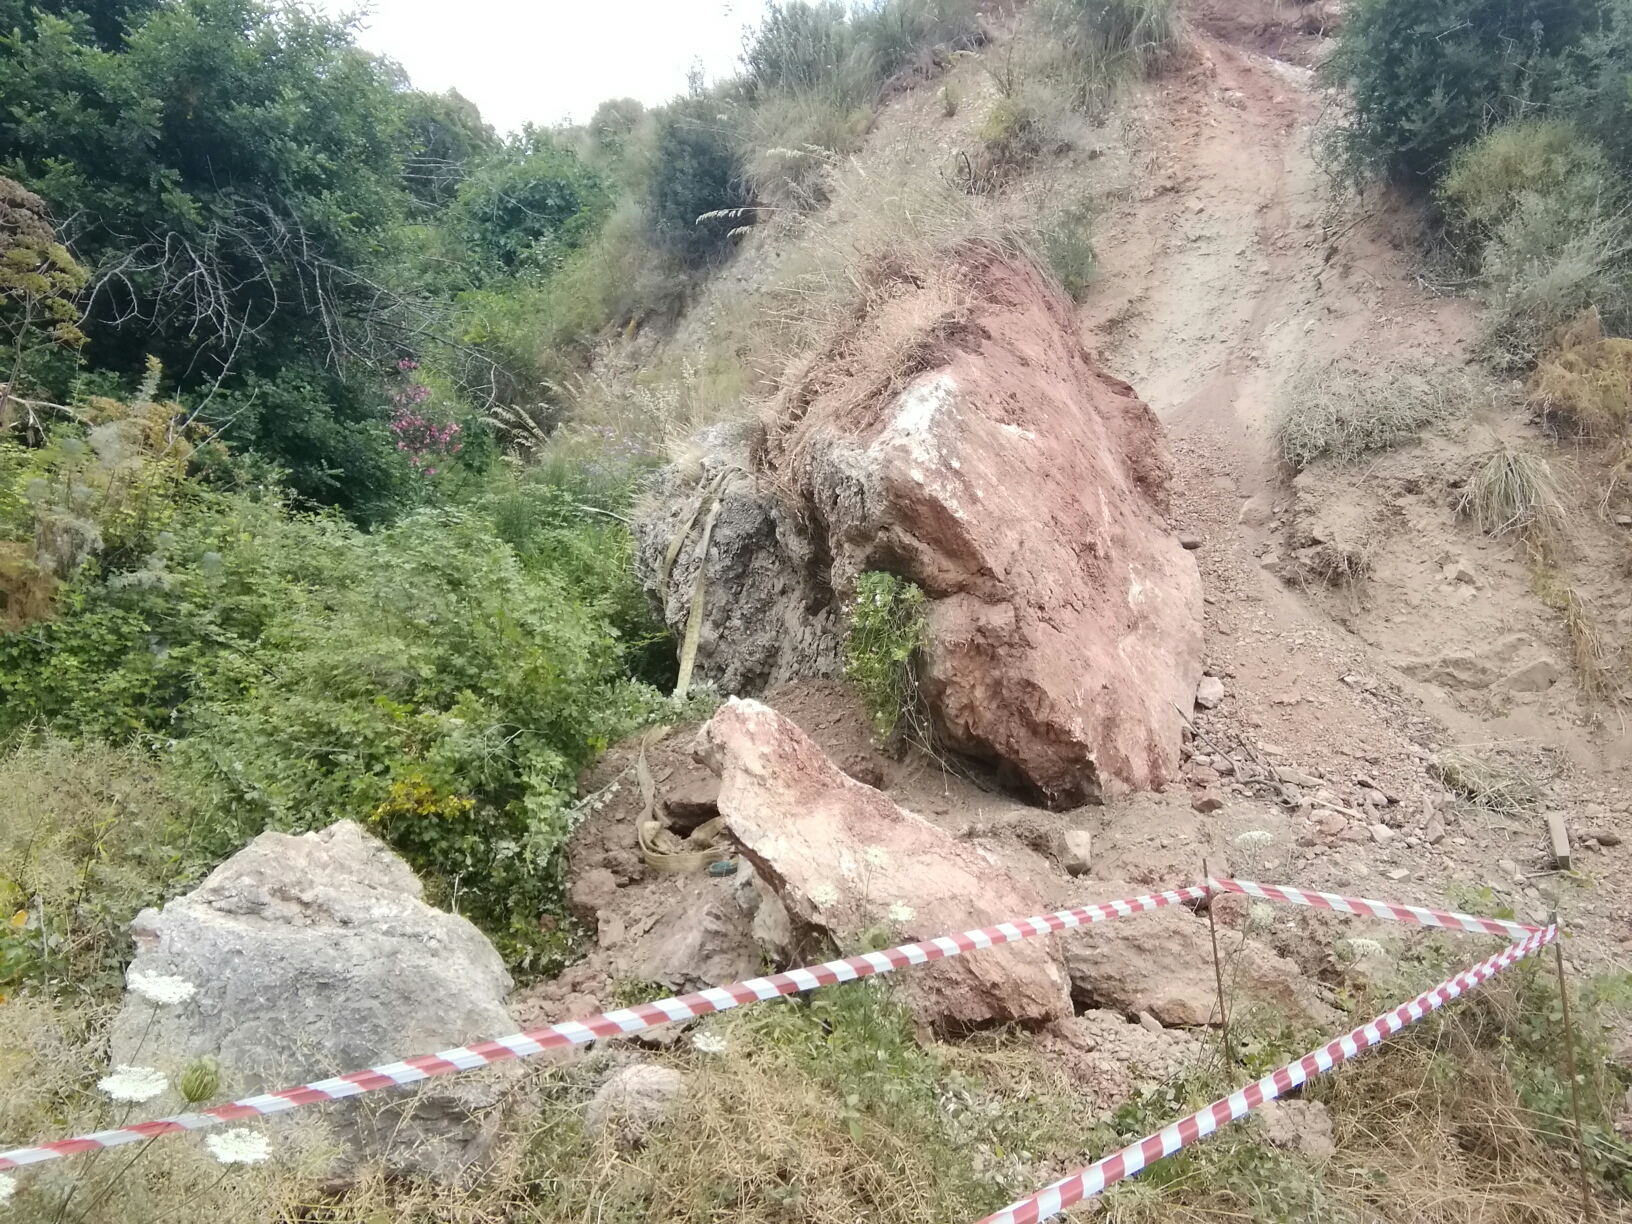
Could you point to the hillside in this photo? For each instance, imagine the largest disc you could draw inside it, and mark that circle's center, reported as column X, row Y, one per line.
column 1076, row 460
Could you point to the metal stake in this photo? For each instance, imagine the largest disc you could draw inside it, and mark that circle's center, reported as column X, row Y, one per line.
column 1569, row 1066
column 1218, row 975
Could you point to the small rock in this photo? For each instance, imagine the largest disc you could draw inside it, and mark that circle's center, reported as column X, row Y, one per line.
column 1302, row 1126
column 1207, row 802
column 1149, row 1023
column 1189, row 540
column 1623, row 520
column 1209, row 692
column 1399, row 873
column 1537, row 676
column 1459, row 570
column 1332, row 824
column 1434, row 831
column 1604, row 837
column 1382, row 834
column 1076, row 851
column 1509, row 867
column 1256, row 511
column 1223, row 765
column 634, row 1100
column 1201, row 775
column 594, row 891
column 1296, row 776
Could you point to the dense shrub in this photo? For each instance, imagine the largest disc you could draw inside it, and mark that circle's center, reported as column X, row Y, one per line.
column 1429, row 76
column 888, row 628
column 525, row 208
column 441, row 680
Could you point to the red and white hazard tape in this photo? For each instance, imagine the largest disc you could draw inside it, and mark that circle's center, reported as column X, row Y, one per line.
column 1363, row 908
column 608, row 1024
column 1085, row 1183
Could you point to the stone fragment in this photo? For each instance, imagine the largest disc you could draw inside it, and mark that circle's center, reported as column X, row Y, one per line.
column 1209, row 692
column 1076, row 851
column 843, row 860
column 634, row 1101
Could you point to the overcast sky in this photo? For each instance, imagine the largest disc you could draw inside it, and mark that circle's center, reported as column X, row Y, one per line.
column 549, row 60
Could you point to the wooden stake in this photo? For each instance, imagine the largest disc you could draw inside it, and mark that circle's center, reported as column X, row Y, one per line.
column 1218, row 978
column 1569, row 1067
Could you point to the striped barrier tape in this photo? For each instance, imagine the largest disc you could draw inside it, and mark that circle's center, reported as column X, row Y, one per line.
column 1090, row 1181
column 607, row 1024
column 1363, row 908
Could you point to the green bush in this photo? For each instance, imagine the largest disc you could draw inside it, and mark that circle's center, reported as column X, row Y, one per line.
column 441, row 680
column 1430, row 76
column 888, row 628
column 1488, row 179
column 525, row 208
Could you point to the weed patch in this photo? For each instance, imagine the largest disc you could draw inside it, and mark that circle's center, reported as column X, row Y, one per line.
column 888, row 627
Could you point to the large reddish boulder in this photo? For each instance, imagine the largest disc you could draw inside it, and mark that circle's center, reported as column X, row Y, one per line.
column 958, row 434
column 843, row 860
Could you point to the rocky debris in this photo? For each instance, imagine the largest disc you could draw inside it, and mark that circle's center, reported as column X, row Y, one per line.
column 1304, row 1127
column 314, row 955
column 1458, row 570
column 705, row 941
column 1189, row 540
column 843, row 859
column 1514, row 662
column 1016, row 483
column 1207, row 802
column 634, row 1101
column 1110, row 1058
column 1209, row 692
column 1256, row 511
column 1076, row 851
column 593, row 892
column 1162, row 963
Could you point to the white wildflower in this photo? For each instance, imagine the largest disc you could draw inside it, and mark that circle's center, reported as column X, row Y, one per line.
column 876, row 857
column 238, row 1147
column 1361, row 948
column 900, row 911
column 708, row 1043
column 134, row 1084
column 8, row 1187
column 824, row 895
column 1260, row 914
column 1254, row 839
column 161, row 988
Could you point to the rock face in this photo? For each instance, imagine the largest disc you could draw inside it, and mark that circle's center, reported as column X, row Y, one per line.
column 768, row 613
column 313, row 955
column 958, row 435
column 1163, row 964
column 843, row 859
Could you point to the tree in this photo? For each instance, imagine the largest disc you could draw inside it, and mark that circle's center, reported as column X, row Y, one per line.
column 695, row 171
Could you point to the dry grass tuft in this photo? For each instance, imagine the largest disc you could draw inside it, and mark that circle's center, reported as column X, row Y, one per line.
column 1513, row 493
column 1341, row 414
column 1599, row 669
column 1587, row 388
column 1507, row 790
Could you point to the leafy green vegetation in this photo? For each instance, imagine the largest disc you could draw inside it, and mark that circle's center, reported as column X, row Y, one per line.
column 888, row 627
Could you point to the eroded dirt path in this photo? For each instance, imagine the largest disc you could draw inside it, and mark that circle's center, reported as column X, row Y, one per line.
column 1228, row 268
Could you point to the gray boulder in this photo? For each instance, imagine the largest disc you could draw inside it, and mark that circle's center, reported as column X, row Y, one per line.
column 314, row 955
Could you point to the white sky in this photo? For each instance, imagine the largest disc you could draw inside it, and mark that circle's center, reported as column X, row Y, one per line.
column 549, row 60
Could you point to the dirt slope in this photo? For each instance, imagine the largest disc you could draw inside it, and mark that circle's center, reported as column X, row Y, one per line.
column 1227, row 266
